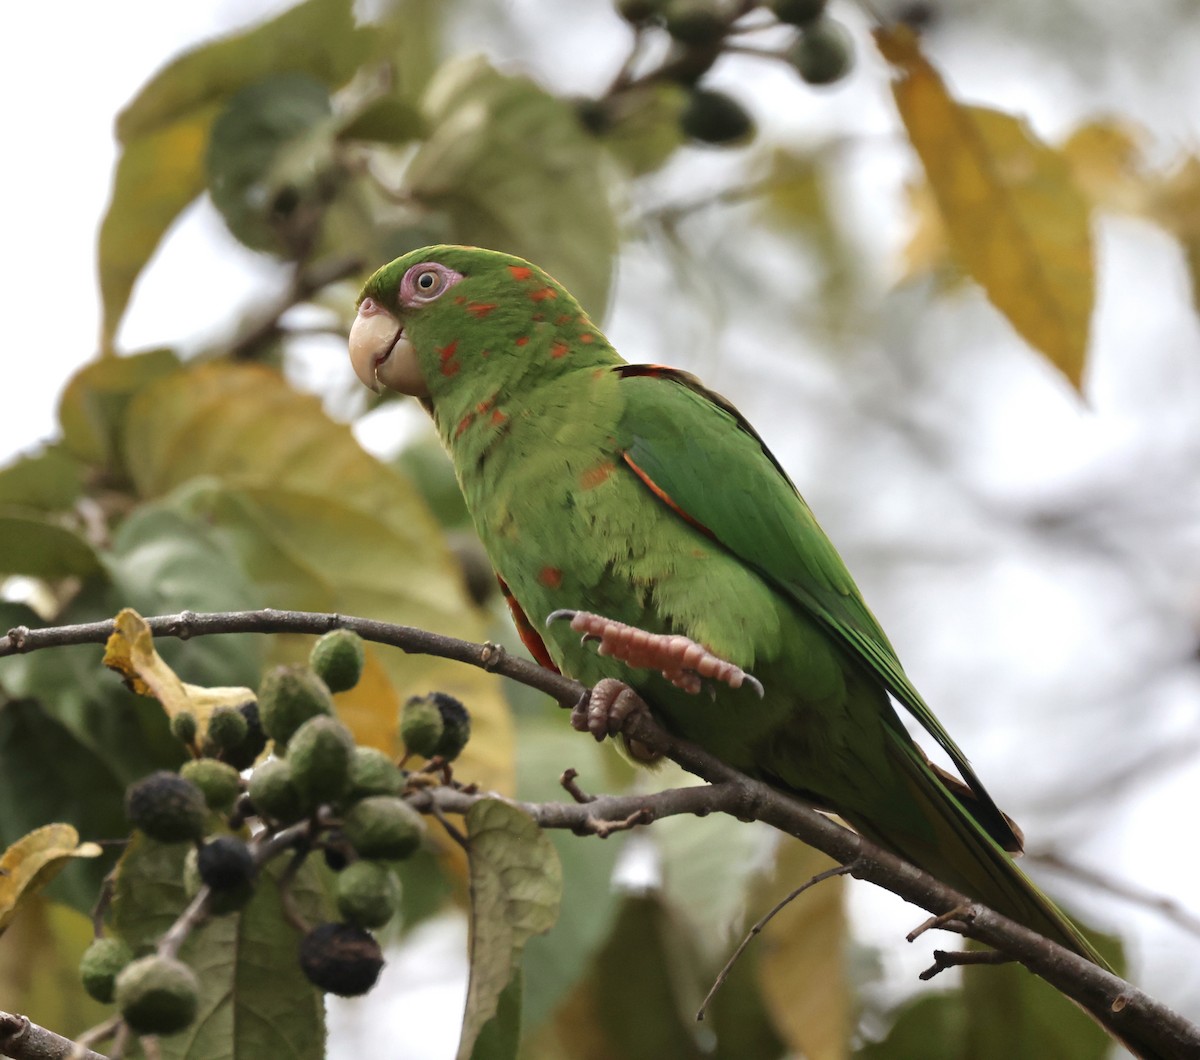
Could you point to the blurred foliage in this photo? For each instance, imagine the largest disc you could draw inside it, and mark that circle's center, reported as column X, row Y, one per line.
column 210, row 484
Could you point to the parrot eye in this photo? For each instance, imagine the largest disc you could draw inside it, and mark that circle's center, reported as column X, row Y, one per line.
column 425, row 282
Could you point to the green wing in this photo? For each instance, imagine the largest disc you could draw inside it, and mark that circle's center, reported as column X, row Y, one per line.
column 699, row 455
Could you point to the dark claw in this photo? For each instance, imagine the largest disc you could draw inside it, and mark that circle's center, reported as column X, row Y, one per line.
column 562, row 613
column 590, row 636
column 754, row 683
column 579, row 714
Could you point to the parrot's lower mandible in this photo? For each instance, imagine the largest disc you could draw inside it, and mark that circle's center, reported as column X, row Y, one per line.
column 642, row 513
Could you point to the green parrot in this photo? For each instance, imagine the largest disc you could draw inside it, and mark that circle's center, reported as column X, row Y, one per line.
column 644, row 509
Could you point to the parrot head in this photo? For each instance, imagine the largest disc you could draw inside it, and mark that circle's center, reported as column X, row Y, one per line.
column 426, row 315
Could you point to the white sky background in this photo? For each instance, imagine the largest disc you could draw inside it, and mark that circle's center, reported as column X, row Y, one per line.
column 1074, row 532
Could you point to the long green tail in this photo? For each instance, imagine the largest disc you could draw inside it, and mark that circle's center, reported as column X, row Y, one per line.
column 950, row 845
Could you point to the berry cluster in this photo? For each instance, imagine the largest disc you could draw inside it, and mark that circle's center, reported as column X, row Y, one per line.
column 318, row 790
column 700, row 31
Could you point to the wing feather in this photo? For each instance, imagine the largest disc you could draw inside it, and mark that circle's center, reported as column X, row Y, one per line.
column 701, row 457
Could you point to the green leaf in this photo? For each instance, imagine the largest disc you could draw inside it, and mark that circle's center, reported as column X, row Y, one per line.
column 1001, row 1011
column 709, row 865
column 512, row 166
column 93, row 403
column 270, row 162
column 254, row 1000
column 162, row 562
column 149, row 892
column 641, row 128
column 71, row 687
column 318, row 37
column 164, row 130
column 516, row 886
column 157, row 175
column 640, row 1000
column 390, row 120
column 73, row 783
column 38, row 547
column 317, row 524
column 48, row 480
column 553, row 963
column 501, row 1035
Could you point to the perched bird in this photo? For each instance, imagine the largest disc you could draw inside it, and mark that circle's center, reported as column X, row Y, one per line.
column 646, row 512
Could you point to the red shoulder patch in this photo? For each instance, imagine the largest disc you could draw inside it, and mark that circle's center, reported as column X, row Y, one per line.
column 520, row 272
column 529, row 636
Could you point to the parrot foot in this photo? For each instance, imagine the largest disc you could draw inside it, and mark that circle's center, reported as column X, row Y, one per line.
column 605, row 711
column 679, row 659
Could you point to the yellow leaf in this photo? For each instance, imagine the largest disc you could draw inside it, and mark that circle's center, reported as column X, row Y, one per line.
column 1107, row 163
column 130, row 652
column 157, row 175
column 802, row 963
column 1176, row 206
column 1013, row 216
column 33, row 861
column 39, row 968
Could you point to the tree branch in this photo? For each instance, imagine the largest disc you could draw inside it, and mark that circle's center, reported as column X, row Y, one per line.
column 22, row 1040
column 1120, row 1007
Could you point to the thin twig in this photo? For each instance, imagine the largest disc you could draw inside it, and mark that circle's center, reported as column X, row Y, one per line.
column 959, row 915
column 945, row 959
column 451, row 831
column 837, row 870
column 100, row 1033
column 567, row 780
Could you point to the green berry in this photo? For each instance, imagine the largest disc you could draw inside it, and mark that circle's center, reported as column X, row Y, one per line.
column 421, row 726
column 157, row 995
column 367, row 894
column 273, row 793
column 101, row 964
column 227, row 728
column 184, row 727
column 373, row 773
column 246, row 753
column 338, row 659
column 320, row 753
column 824, row 53
column 225, row 863
column 715, row 118
column 287, row 698
column 166, row 807
column 341, row 959
column 218, row 781
column 383, row 826
column 797, row 12
column 696, row 21
column 435, row 724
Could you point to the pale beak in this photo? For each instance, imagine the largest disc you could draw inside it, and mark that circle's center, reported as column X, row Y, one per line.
column 381, row 354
